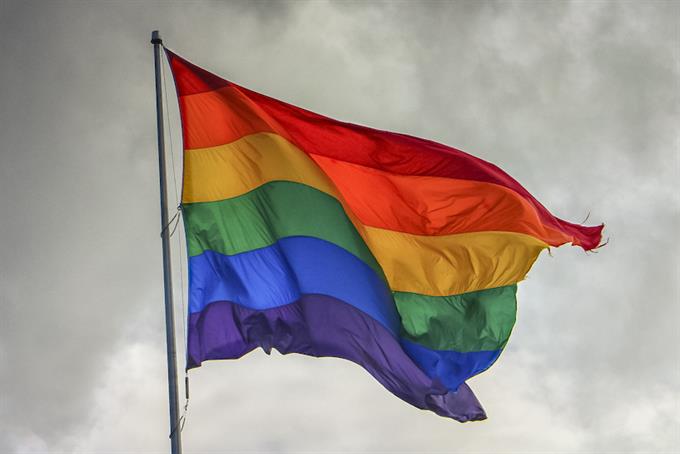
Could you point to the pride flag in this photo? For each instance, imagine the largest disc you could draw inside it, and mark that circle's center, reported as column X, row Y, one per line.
column 314, row 236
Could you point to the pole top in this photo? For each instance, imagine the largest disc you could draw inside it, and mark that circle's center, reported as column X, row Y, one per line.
column 156, row 37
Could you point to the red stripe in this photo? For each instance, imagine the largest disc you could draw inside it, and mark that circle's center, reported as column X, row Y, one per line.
column 215, row 112
column 191, row 79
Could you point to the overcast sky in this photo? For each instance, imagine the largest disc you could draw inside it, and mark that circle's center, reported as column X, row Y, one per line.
column 578, row 101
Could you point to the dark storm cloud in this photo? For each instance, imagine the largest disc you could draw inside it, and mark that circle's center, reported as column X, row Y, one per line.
column 578, row 101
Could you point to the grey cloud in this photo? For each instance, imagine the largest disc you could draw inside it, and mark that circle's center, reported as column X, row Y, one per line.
column 578, row 101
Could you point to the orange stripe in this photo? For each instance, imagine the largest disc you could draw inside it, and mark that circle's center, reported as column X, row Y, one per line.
column 221, row 117
column 228, row 114
column 433, row 205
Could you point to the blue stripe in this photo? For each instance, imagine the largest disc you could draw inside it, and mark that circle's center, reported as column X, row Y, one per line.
column 451, row 368
column 281, row 273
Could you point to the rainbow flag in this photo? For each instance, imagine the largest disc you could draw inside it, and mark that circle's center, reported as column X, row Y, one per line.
column 314, row 236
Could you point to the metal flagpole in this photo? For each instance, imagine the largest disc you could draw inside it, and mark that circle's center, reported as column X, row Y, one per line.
column 175, row 434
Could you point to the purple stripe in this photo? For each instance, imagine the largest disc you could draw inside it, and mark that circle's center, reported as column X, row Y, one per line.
column 319, row 325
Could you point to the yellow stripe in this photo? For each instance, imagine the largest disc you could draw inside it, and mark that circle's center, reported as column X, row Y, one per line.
column 452, row 264
column 227, row 171
column 430, row 265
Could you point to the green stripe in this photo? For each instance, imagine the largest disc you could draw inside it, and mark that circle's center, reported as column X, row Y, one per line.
column 468, row 322
column 275, row 210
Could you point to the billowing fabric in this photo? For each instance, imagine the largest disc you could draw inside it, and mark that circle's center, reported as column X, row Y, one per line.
column 313, row 236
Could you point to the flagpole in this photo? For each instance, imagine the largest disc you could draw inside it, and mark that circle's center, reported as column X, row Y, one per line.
column 175, row 434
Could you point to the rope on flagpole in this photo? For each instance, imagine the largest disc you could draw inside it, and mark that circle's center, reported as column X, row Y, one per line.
column 175, row 220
